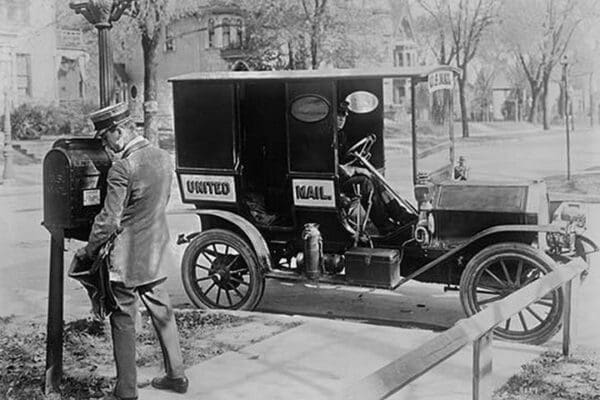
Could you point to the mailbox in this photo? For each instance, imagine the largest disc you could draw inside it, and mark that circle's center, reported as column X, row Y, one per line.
column 75, row 172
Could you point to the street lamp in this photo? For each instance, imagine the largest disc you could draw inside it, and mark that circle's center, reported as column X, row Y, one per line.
column 102, row 13
column 564, row 61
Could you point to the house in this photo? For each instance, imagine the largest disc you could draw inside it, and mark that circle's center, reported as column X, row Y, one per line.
column 27, row 44
column 39, row 63
column 399, row 44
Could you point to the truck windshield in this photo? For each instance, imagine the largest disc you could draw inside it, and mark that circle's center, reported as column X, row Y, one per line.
column 434, row 134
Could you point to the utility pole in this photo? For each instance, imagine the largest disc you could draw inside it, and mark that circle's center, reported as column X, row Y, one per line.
column 565, row 64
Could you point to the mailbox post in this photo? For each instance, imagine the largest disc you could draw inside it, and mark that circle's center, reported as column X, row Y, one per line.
column 74, row 181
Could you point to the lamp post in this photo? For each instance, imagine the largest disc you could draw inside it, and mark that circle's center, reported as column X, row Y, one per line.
column 102, row 13
column 564, row 61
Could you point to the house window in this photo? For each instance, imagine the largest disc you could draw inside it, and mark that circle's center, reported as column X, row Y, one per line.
column 169, row 39
column 399, row 56
column 211, row 32
column 239, row 33
column 226, row 33
column 408, row 60
column 24, row 74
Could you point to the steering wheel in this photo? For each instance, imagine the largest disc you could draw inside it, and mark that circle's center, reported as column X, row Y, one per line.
column 362, row 148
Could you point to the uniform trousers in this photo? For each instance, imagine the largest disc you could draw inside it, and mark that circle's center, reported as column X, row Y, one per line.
column 122, row 323
column 361, row 185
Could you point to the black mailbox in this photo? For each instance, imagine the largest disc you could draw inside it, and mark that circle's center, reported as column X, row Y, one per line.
column 75, row 172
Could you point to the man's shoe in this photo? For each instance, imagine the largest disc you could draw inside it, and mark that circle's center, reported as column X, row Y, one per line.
column 179, row 385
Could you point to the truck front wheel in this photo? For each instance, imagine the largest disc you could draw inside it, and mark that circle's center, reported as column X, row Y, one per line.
column 501, row 269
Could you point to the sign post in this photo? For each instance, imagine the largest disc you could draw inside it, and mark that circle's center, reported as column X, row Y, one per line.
column 565, row 64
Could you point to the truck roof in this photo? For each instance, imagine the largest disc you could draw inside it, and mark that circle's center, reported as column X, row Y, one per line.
column 419, row 72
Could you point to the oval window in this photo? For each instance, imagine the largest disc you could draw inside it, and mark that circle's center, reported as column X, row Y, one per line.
column 362, row 102
column 310, row 108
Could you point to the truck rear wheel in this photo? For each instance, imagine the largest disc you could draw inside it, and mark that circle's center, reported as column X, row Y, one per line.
column 220, row 270
column 501, row 269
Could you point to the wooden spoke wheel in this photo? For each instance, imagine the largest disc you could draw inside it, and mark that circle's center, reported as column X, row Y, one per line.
column 220, row 270
column 501, row 269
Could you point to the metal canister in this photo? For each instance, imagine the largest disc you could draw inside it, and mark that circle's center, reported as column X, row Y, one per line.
column 313, row 250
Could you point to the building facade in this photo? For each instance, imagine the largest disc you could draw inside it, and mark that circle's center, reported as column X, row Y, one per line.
column 208, row 41
column 39, row 63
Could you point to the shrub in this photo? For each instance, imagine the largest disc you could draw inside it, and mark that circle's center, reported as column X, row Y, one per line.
column 31, row 121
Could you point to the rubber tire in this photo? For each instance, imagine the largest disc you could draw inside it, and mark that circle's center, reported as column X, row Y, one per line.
column 205, row 238
column 531, row 255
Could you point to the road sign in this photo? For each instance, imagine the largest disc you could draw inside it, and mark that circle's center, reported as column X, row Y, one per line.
column 440, row 79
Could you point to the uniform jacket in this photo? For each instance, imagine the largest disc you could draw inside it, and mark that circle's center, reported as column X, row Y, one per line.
column 138, row 189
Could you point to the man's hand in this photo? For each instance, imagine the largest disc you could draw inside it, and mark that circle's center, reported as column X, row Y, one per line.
column 81, row 253
column 362, row 171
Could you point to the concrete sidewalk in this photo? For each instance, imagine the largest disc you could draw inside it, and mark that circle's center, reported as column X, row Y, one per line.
column 319, row 358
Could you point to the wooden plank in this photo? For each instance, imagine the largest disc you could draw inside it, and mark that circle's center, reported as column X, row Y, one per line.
column 482, row 367
column 570, row 326
column 397, row 374
column 568, row 318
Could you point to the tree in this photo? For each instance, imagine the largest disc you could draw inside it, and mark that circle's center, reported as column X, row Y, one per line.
column 435, row 38
column 274, row 34
column 462, row 25
column 539, row 33
column 314, row 16
column 299, row 34
column 152, row 16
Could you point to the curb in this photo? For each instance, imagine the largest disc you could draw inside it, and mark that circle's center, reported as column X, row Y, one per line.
column 581, row 198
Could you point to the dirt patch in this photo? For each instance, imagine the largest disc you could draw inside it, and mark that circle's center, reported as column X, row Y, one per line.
column 586, row 184
column 88, row 362
column 552, row 376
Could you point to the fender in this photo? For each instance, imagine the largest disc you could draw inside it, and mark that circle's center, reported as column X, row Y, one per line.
column 484, row 233
column 254, row 237
column 589, row 242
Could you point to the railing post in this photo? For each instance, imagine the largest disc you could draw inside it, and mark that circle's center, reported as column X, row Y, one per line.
column 482, row 367
column 569, row 322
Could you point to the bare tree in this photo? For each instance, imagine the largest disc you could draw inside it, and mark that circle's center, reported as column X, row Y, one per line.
column 300, row 34
column 152, row 16
column 539, row 33
column 314, row 13
column 465, row 23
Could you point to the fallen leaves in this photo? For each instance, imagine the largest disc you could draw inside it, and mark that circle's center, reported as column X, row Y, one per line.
column 88, row 366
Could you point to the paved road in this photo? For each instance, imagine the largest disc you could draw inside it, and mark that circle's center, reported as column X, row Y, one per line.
column 24, row 244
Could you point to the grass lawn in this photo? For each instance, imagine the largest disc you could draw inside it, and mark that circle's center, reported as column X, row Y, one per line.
column 552, row 376
column 585, row 184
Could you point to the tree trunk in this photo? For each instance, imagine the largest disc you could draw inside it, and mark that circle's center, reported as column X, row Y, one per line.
column 314, row 46
column 150, row 46
column 535, row 94
column 291, row 63
column 463, row 105
column 544, row 99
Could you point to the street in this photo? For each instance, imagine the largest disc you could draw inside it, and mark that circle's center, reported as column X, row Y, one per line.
column 25, row 246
